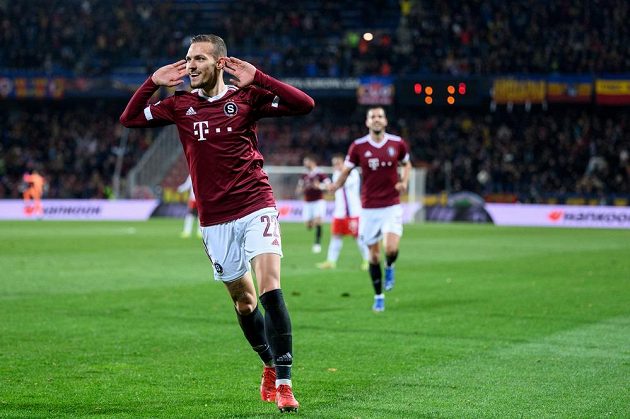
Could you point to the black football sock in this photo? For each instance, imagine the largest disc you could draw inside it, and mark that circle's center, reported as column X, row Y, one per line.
column 377, row 276
column 391, row 258
column 253, row 325
column 278, row 329
column 318, row 234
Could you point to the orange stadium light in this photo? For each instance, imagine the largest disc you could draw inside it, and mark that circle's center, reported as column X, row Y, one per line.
column 428, row 90
column 450, row 89
column 428, row 100
column 450, row 99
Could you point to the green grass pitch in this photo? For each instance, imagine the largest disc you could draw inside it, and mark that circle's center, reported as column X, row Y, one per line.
column 123, row 320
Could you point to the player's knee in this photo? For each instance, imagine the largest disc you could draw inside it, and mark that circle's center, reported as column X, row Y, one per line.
column 244, row 302
column 391, row 250
column 245, row 307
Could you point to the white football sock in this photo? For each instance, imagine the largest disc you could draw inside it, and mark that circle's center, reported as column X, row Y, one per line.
column 188, row 223
column 334, row 248
column 365, row 252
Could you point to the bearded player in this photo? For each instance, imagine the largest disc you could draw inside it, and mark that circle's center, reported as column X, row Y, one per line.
column 379, row 154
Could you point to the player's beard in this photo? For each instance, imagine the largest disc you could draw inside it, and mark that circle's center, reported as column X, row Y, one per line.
column 206, row 84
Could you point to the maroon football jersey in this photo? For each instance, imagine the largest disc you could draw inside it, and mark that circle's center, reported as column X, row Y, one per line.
column 218, row 135
column 311, row 183
column 379, row 168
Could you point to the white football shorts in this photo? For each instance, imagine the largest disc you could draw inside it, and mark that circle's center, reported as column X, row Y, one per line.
column 231, row 246
column 375, row 222
column 314, row 209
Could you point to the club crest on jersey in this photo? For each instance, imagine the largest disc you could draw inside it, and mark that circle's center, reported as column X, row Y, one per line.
column 391, row 151
column 230, row 109
column 218, row 268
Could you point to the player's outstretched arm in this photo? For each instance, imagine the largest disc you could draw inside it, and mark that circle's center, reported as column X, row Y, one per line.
column 341, row 180
column 401, row 186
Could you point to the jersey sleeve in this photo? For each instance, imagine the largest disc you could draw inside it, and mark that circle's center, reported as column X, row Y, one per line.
column 352, row 158
column 324, row 179
column 140, row 113
column 272, row 97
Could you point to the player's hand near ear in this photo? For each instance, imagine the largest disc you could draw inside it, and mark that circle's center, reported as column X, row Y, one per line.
column 241, row 71
column 170, row 75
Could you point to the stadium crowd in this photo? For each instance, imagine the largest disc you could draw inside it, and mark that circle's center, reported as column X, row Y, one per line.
column 74, row 147
column 565, row 150
column 529, row 154
column 322, row 38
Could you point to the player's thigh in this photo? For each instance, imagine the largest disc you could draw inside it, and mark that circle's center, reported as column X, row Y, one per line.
column 371, row 225
column 267, row 269
column 262, row 233
column 391, row 242
column 224, row 247
column 263, row 247
column 319, row 209
column 308, row 211
column 392, row 220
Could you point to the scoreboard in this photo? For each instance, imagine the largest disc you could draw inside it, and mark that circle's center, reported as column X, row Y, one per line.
column 440, row 91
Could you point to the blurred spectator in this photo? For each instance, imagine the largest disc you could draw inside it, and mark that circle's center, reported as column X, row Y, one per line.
column 75, row 146
column 530, row 154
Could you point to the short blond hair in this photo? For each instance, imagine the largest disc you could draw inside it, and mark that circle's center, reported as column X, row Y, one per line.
column 220, row 50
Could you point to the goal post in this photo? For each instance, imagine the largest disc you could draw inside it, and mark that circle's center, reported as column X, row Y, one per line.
column 284, row 180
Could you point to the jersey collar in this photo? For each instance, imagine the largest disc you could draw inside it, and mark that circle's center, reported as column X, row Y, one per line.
column 379, row 144
column 228, row 87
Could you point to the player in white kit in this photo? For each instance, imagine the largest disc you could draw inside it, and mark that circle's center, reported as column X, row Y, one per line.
column 345, row 216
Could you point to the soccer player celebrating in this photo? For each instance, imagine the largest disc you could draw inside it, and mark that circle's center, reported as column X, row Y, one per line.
column 192, row 214
column 345, row 216
column 379, row 154
column 312, row 184
column 217, row 128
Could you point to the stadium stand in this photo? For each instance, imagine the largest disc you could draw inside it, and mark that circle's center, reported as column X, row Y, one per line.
column 565, row 149
column 322, row 38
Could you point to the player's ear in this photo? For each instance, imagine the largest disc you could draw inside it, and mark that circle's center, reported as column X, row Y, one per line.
column 221, row 63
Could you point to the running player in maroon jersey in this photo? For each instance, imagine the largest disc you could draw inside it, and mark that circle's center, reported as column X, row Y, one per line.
column 313, row 184
column 217, row 128
column 379, row 154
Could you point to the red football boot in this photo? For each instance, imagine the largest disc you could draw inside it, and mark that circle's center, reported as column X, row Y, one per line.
column 268, row 384
column 285, row 400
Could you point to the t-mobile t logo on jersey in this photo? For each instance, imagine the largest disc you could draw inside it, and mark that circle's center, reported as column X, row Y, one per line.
column 373, row 163
column 199, row 129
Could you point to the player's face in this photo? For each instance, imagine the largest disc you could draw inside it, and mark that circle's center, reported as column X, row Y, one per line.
column 337, row 163
column 376, row 120
column 203, row 69
column 308, row 163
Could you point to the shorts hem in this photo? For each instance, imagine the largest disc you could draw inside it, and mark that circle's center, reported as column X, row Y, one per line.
column 262, row 252
column 231, row 278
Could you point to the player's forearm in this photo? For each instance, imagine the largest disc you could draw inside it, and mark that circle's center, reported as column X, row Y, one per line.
column 133, row 115
column 341, row 180
column 405, row 173
column 296, row 101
